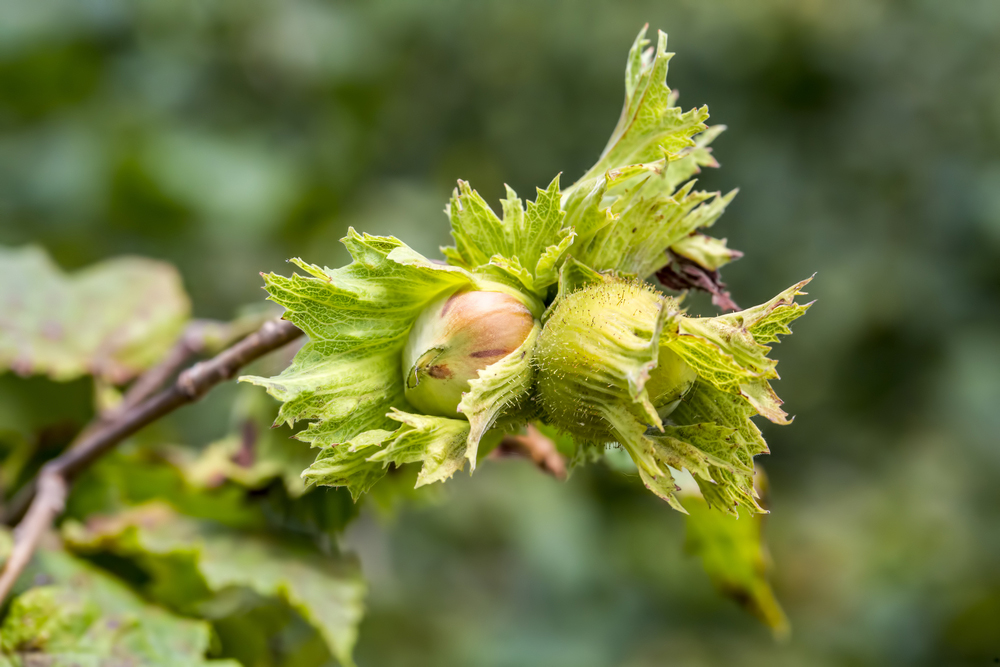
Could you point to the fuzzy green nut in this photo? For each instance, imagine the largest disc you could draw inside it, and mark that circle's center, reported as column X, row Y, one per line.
column 454, row 338
column 600, row 350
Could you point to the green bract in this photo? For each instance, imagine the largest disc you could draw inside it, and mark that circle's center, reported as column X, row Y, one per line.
column 349, row 380
column 619, row 363
column 543, row 313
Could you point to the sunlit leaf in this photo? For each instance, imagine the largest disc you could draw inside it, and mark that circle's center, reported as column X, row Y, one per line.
column 638, row 201
column 84, row 616
column 651, row 124
column 357, row 317
column 726, row 351
column 528, row 242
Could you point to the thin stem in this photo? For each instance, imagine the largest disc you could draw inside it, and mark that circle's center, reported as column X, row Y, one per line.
column 58, row 474
column 199, row 337
column 536, row 447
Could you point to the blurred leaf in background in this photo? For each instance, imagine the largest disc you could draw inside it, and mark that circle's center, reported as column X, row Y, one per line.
column 111, row 321
column 192, row 565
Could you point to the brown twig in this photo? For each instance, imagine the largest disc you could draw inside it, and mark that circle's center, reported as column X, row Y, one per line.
column 682, row 274
column 199, row 337
column 191, row 343
column 56, row 476
column 536, row 447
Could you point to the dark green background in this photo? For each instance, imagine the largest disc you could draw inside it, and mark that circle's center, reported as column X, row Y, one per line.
column 225, row 136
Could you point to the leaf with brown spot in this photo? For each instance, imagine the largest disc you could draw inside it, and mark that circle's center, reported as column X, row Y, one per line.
column 111, row 320
column 252, row 454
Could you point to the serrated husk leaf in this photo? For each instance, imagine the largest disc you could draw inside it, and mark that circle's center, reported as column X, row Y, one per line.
column 650, row 124
column 730, row 486
column 637, row 201
column 705, row 251
column 438, row 443
column 346, row 464
column 647, row 219
column 348, row 375
column 725, row 351
column 501, row 391
column 527, row 243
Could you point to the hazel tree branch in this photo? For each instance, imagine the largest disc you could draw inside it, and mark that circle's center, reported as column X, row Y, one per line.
column 198, row 338
column 191, row 343
column 58, row 474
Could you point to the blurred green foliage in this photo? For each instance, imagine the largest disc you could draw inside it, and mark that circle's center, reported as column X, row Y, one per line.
column 226, row 136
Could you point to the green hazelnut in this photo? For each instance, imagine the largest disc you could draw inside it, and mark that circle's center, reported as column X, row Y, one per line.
column 600, row 349
column 454, row 338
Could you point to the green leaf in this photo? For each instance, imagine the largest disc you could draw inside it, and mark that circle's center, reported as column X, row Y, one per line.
column 440, row 444
column 501, row 388
column 252, row 454
column 769, row 320
column 646, row 217
column 528, row 243
column 650, row 125
column 144, row 473
column 637, row 201
column 735, row 342
column 508, row 271
column 652, row 461
column 726, row 352
column 48, row 618
column 87, row 617
column 707, row 252
column 111, row 320
column 702, row 450
column 187, row 558
column 710, row 435
column 437, row 442
column 357, row 318
column 347, row 464
column 587, row 212
column 734, row 556
column 719, row 424
column 547, row 270
column 688, row 161
column 478, row 232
